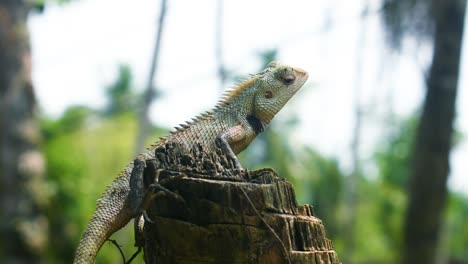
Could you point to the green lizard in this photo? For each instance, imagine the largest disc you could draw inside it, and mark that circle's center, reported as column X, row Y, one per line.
column 243, row 113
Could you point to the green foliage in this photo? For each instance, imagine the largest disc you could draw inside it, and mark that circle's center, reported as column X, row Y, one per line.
column 393, row 161
column 393, row 157
column 73, row 119
column 120, row 95
column 456, row 231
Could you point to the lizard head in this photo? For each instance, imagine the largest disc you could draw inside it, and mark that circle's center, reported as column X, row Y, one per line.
column 275, row 86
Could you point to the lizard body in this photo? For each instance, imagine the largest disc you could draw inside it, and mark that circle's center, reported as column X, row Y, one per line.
column 244, row 112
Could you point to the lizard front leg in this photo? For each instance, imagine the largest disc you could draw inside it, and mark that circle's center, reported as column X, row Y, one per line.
column 231, row 136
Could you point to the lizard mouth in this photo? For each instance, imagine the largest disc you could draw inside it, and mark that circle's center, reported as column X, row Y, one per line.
column 303, row 75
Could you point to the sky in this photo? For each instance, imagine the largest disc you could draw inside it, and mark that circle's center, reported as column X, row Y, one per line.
column 77, row 48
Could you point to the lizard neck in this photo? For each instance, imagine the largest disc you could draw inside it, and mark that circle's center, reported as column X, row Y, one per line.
column 256, row 123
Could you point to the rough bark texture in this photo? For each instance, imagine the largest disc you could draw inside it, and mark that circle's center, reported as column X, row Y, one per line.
column 228, row 216
column 428, row 190
column 23, row 227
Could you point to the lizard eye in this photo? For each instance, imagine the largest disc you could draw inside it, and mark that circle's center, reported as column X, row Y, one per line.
column 288, row 79
column 268, row 95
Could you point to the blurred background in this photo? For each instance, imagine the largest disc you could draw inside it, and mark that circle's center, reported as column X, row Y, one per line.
column 376, row 141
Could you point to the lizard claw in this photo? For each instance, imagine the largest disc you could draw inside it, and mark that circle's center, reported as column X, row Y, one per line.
column 147, row 218
column 237, row 165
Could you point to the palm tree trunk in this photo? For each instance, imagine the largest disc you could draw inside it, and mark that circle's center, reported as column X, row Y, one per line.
column 429, row 173
column 23, row 227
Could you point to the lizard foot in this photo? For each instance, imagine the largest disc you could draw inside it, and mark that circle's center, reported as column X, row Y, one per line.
column 222, row 143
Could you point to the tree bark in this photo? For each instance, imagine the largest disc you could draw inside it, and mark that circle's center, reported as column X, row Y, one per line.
column 228, row 216
column 23, row 226
column 427, row 187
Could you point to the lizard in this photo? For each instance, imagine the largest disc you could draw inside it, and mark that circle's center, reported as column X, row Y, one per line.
column 239, row 116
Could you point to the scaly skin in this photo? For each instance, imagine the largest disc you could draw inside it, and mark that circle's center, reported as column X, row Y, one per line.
column 236, row 120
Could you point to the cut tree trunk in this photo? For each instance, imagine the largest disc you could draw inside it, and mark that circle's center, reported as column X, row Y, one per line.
column 244, row 217
column 23, row 199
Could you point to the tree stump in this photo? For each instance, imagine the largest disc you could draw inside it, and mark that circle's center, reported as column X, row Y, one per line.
column 217, row 214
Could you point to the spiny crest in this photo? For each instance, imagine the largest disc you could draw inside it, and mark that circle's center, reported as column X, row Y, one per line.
column 236, row 90
column 184, row 126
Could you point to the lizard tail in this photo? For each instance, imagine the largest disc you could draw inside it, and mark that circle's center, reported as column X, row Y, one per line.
column 112, row 213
